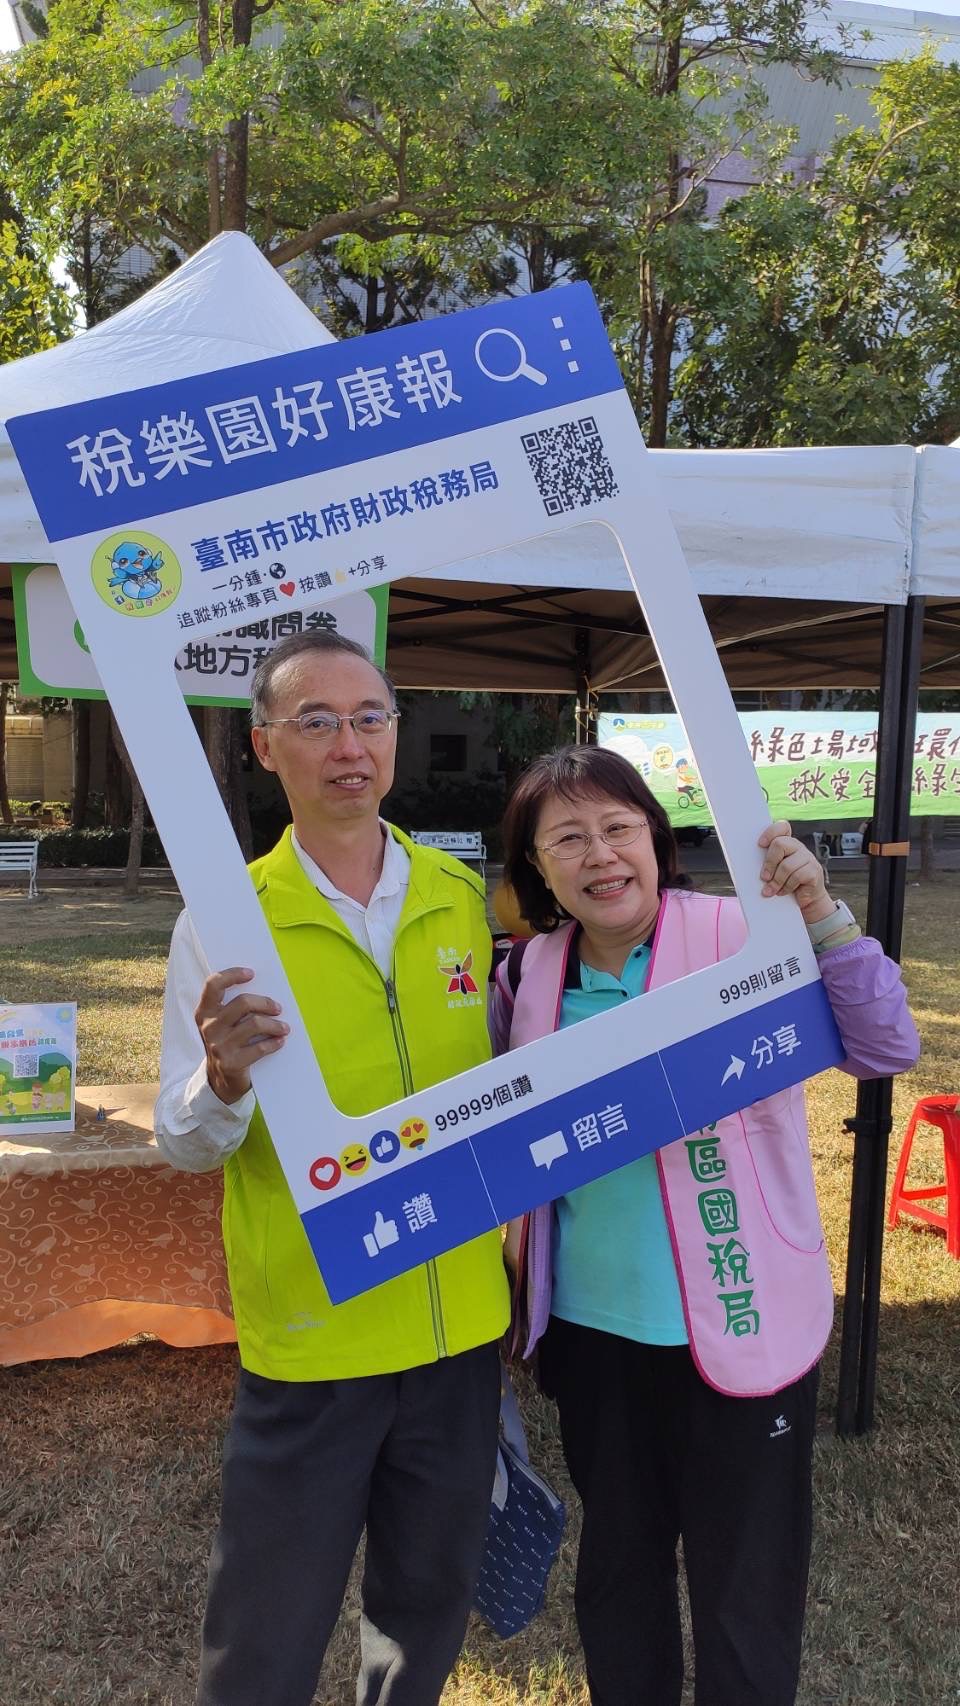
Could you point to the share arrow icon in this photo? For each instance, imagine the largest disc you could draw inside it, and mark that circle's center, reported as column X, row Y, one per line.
column 734, row 1070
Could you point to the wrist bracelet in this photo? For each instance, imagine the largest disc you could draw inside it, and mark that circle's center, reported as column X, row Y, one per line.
column 836, row 922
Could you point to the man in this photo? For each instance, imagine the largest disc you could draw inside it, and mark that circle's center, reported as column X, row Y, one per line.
column 380, row 1413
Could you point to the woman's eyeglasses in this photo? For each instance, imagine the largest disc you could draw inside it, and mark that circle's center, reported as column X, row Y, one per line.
column 576, row 842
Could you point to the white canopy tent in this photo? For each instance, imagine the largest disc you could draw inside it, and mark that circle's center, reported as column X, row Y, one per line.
column 852, row 528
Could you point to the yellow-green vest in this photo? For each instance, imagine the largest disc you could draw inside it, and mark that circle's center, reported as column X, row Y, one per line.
column 374, row 1044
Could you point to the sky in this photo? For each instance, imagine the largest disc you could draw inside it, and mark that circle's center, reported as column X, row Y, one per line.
column 8, row 32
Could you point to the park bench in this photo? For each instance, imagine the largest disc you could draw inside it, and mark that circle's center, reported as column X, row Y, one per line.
column 19, row 858
column 462, row 843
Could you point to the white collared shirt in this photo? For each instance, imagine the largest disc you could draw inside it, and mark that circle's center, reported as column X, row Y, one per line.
column 374, row 926
column 195, row 1130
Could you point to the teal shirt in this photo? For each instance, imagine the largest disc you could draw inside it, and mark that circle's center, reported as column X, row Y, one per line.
column 613, row 1264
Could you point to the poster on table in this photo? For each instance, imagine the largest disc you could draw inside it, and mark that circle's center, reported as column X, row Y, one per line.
column 399, row 451
column 38, row 1063
column 810, row 764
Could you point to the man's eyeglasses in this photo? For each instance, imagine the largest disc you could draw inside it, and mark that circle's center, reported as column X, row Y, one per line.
column 576, row 842
column 323, row 725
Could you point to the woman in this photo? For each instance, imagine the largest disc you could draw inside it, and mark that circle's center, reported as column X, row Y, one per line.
column 681, row 1304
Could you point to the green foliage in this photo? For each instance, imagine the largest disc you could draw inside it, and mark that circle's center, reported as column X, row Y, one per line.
column 380, row 118
column 408, row 154
column 77, row 848
column 34, row 311
column 453, row 802
column 836, row 312
column 524, row 724
column 58, row 810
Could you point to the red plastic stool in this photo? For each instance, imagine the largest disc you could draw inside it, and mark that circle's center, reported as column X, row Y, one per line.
column 939, row 1111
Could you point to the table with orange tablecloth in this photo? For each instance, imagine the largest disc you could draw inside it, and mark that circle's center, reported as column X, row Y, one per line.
column 100, row 1239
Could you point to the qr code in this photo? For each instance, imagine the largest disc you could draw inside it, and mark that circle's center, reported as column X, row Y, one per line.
column 570, row 465
column 26, row 1064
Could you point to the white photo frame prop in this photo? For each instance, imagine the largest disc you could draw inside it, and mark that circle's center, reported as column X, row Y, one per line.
column 351, row 465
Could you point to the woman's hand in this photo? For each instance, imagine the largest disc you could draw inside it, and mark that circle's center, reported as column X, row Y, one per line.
column 791, row 868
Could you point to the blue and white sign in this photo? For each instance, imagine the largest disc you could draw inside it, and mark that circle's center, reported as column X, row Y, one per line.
column 188, row 508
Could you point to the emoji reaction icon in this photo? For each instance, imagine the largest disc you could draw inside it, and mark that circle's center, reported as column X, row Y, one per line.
column 325, row 1173
column 414, row 1133
column 385, row 1147
column 355, row 1159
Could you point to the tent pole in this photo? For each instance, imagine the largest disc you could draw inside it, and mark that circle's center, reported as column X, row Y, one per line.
column 892, row 940
column 586, row 716
column 902, row 638
column 865, row 1124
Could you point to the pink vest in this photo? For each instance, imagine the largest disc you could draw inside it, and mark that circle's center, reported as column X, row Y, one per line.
column 739, row 1197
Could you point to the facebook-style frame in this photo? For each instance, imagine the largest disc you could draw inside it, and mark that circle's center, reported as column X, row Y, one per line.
column 187, row 508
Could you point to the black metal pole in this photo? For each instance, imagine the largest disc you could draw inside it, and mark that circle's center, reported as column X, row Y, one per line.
column 900, row 671
column 892, row 940
column 586, row 713
column 869, row 1115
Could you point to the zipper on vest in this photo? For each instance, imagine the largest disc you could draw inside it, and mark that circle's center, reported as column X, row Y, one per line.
column 406, row 1072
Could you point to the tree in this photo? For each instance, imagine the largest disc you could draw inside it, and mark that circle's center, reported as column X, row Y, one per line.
column 837, row 313
column 35, row 311
column 694, row 71
column 5, row 813
column 131, row 880
column 524, row 724
column 439, row 126
column 300, row 120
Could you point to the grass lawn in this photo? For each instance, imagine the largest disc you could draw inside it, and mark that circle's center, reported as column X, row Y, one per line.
column 108, row 1485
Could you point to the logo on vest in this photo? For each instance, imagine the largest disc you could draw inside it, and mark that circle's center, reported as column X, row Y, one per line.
column 780, row 1427
column 457, row 968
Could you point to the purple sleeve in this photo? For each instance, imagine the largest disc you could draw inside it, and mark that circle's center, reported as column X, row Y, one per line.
column 869, row 1003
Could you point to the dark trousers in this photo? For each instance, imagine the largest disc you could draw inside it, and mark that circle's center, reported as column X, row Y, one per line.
column 656, row 1456
column 309, row 1465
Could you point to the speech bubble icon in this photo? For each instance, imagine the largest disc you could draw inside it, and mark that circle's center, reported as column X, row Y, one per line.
column 546, row 1150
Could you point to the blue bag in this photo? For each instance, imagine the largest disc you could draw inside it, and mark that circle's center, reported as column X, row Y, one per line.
column 526, row 1527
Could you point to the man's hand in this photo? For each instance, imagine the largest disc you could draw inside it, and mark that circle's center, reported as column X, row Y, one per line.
column 237, row 1033
column 791, row 868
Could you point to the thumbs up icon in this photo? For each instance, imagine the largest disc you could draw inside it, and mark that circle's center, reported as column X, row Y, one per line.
column 384, row 1233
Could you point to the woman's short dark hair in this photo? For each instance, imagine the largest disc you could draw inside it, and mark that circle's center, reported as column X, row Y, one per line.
column 576, row 773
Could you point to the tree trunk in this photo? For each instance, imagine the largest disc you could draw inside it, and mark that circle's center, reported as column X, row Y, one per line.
column 663, row 336
column 239, row 804
column 205, row 55
column 116, row 804
column 236, row 150
column 928, row 859
column 89, row 291
column 371, row 313
column 223, row 740
column 5, row 811
column 537, row 262
column 661, row 314
column 81, row 762
column 235, row 175
column 216, row 741
column 131, row 880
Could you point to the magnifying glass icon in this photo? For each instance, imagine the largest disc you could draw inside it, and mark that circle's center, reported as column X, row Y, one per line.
column 522, row 368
